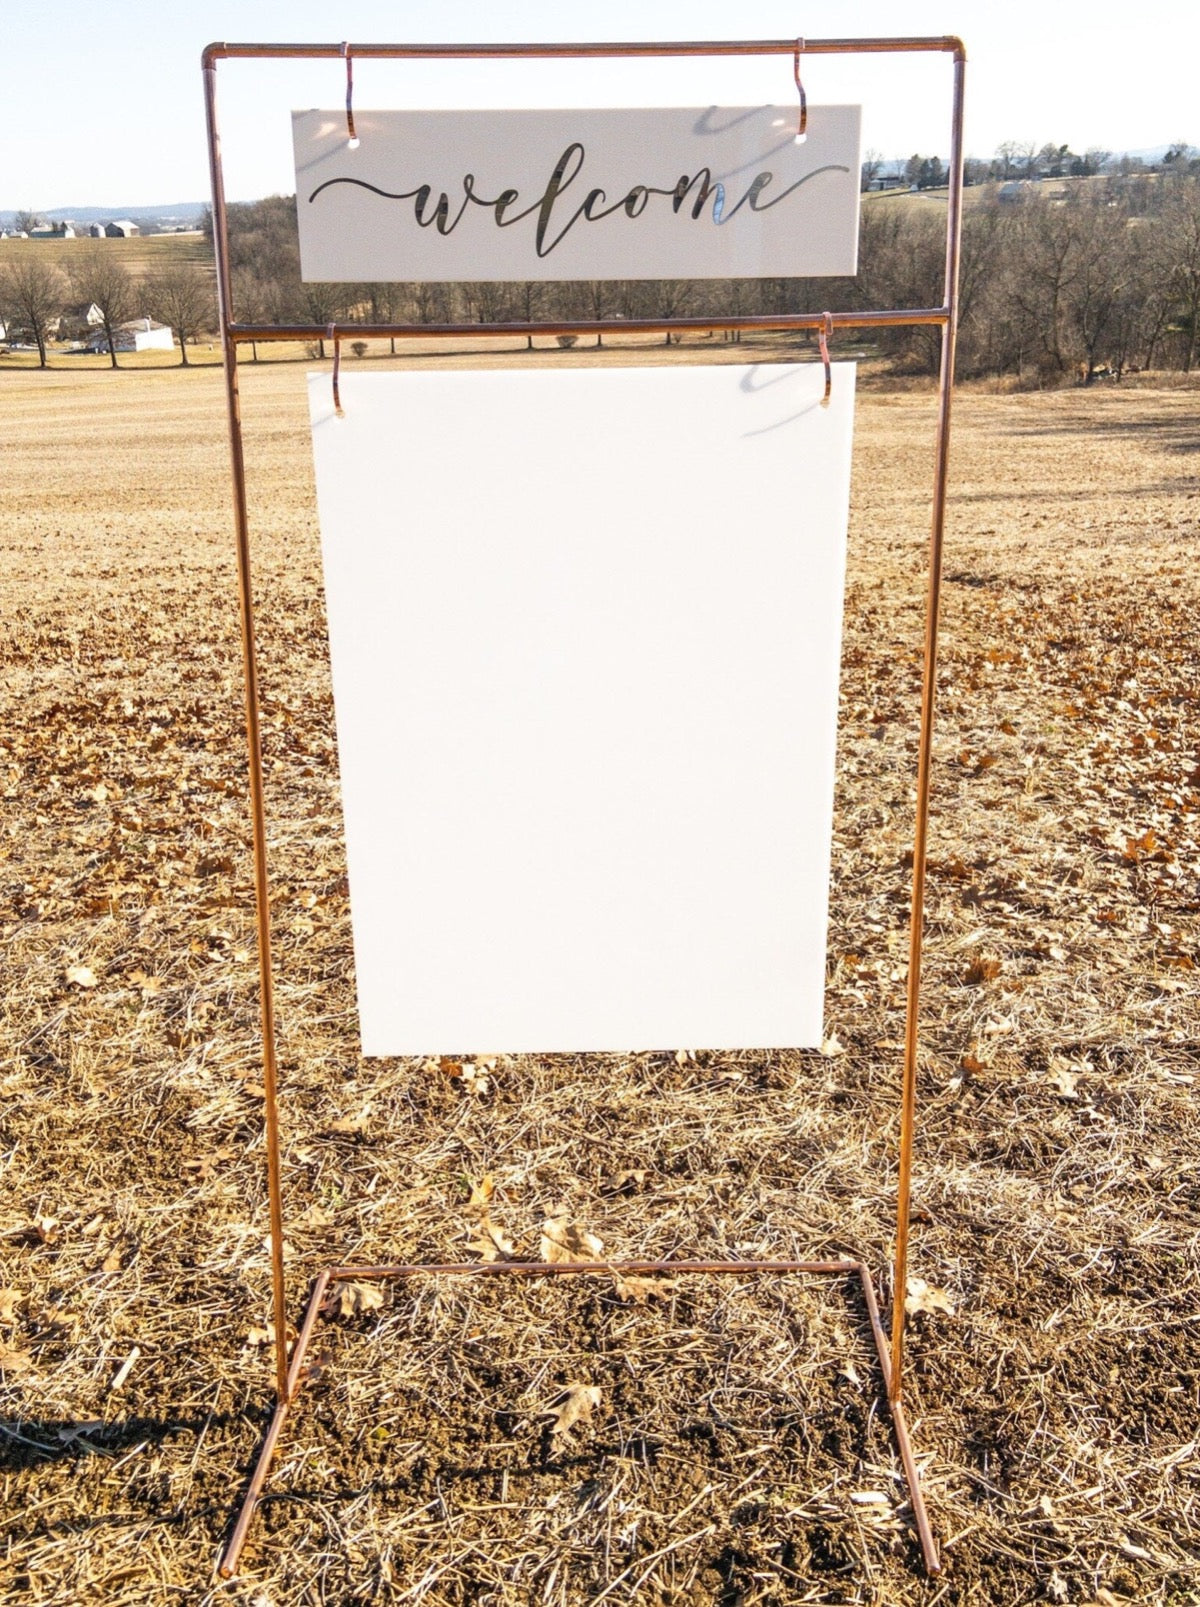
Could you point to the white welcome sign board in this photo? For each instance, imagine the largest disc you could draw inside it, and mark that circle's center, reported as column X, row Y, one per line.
column 663, row 193
column 585, row 632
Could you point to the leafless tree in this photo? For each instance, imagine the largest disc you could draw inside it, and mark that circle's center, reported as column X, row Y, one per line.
column 182, row 297
column 32, row 292
column 98, row 276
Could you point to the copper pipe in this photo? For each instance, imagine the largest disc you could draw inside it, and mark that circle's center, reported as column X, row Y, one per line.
column 229, row 1557
column 944, row 43
column 912, row 1476
column 483, row 1269
column 262, row 898
column 908, row 1096
column 245, row 333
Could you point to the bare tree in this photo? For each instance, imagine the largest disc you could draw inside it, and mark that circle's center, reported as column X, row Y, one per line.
column 98, row 276
column 1182, row 260
column 27, row 221
column 31, row 295
column 182, row 297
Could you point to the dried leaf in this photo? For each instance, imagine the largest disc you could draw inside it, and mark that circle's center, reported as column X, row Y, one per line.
column 624, row 1182
column 81, row 976
column 831, row 1047
column 1064, row 1081
column 983, row 968
column 10, row 1299
column 14, row 1361
column 353, row 1124
column 474, row 1079
column 641, row 1290
column 491, row 1244
column 355, row 1299
column 575, row 1406
column 924, row 1296
column 562, row 1240
column 41, row 1230
column 481, row 1194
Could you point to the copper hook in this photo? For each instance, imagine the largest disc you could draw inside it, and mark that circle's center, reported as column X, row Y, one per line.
column 801, row 132
column 824, row 336
column 337, row 364
column 350, row 134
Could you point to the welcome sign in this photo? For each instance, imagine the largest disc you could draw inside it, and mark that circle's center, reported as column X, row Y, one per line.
column 665, row 193
column 585, row 632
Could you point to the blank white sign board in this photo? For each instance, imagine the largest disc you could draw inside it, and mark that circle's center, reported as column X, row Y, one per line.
column 585, row 632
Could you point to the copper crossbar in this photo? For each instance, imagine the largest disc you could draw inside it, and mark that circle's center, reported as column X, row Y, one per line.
column 537, row 1269
column 289, row 1373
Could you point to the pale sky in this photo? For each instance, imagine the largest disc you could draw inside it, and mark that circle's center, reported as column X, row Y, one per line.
column 102, row 104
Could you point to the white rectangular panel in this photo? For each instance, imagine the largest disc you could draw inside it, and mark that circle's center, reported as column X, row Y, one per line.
column 662, row 193
column 585, row 632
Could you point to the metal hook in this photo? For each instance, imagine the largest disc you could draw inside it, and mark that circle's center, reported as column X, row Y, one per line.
column 337, row 364
column 350, row 134
column 824, row 336
column 801, row 132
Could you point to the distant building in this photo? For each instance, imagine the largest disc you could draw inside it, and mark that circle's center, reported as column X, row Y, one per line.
column 138, row 335
column 53, row 231
column 79, row 320
column 121, row 229
column 96, row 231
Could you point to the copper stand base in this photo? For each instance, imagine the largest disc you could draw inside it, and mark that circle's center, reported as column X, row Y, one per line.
column 297, row 1375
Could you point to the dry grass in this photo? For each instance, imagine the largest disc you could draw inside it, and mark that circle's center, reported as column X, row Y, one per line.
column 738, row 1452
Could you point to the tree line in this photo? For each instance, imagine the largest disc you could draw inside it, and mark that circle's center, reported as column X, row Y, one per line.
column 37, row 297
column 1090, row 279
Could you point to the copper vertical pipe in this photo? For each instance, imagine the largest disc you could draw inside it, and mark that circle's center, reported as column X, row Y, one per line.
column 262, row 897
column 229, row 1557
column 908, row 1098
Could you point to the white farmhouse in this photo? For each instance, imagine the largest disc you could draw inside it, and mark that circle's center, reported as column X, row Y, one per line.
column 138, row 335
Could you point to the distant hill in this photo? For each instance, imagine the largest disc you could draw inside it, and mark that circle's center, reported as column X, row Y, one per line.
column 164, row 215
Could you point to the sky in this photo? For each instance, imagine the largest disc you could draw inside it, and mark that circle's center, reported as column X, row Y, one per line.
column 103, row 105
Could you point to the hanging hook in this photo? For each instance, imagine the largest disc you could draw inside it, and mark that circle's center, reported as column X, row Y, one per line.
column 351, row 136
column 802, row 130
column 337, row 364
column 824, row 336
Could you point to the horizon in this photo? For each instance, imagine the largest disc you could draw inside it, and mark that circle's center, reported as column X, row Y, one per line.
column 74, row 210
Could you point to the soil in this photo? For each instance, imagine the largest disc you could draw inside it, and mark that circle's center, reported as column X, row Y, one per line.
column 731, row 1441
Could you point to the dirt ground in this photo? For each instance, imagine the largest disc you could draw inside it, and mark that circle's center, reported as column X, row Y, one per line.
column 730, row 1441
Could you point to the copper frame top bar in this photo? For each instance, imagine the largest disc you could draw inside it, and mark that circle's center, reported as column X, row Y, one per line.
column 942, row 43
column 780, row 323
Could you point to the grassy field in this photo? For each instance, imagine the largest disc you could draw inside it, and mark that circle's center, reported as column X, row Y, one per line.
column 738, row 1452
column 141, row 255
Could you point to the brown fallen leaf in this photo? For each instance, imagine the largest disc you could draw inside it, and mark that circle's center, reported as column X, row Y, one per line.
column 81, row 976
column 149, row 985
column 490, row 1243
column 575, row 1405
column 481, row 1194
column 10, row 1299
column 627, row 1182
column 641, row 1290
column 924, row 1296
column 354, row 1299
column 14, row 1361
column 353, row 1124
column 475, row 1079
column 831, row 1047
column 40, row 1230
column 562, row 1240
